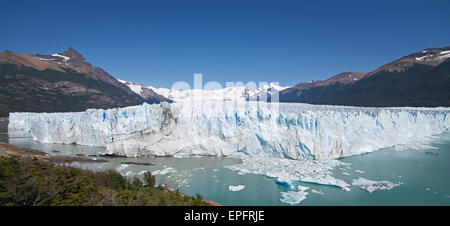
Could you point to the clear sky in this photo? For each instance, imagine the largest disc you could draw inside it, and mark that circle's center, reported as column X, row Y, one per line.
column 161, row 42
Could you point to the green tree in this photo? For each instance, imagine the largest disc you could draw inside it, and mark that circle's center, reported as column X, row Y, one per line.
column 149, row 179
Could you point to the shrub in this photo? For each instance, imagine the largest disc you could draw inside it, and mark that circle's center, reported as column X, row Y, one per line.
column 32, row 182
column 149, row 179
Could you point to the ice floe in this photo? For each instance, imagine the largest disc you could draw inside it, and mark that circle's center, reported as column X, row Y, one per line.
column 294, row 197
column 316, row 191
column 371, row 186
column 236, row 188
column 164, row 171
column 286, row 171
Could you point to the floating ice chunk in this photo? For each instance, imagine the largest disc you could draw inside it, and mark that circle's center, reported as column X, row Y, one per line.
column 327, row 180
column 285, row 182
column 371, row 186
column 164, row 171
column 345, row 173
column 294, row 197
column 122, row 167
column 287, row 170
column 316, row 191
column 236, row 188
column 359, row 171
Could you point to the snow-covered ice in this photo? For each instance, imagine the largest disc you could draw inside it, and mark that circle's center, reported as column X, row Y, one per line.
column 236, row 188
column 164, row 171
column 122, row 167
column 240, row 93
column 294, row 197
column 287, row 171
column 371, row 186
column 292, row 131
column 317, row 192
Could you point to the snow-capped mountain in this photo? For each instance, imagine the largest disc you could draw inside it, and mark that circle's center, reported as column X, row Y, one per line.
column 145, row 92
column 239, row 93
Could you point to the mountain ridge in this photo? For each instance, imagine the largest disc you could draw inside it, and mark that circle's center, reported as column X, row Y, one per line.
column 59, row 82
column 387, row 86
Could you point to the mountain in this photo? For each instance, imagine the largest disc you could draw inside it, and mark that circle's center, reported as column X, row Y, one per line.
column 419, row 79
column 145, row 92
column 264, row 93
column 343, row 78
column 59, row 82
column 237, row 93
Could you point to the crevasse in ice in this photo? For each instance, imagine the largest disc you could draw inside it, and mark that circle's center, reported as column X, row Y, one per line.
column 280, row 130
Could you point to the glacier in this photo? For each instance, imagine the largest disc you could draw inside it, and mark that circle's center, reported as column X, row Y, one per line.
column 276, row 130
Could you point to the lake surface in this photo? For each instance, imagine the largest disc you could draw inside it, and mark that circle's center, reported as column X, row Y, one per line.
column 420, row 168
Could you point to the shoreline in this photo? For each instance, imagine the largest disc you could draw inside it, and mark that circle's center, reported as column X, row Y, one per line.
column 8, row 149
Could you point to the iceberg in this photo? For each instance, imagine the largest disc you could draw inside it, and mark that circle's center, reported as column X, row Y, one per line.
column 287, row 171
column 317, row 192
column 294, row 197
column 371, row 186
column 284, row 183
column 278, row 130
column 236, row 188
column 164, row 171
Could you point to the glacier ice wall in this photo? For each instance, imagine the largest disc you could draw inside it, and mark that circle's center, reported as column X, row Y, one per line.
column 293, row 131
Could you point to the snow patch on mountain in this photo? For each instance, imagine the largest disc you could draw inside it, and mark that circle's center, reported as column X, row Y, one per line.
column 65, row 58
column 433, row 56
column 136, row 88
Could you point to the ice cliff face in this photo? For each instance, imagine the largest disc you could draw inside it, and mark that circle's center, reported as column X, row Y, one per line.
column 293, row 131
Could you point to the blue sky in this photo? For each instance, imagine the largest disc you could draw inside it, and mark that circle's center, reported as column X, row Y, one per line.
column 161, row 42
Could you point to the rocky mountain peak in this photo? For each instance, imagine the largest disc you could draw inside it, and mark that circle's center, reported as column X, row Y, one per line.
column 74, row 55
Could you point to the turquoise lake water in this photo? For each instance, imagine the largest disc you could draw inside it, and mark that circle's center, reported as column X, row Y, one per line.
column 422, row 170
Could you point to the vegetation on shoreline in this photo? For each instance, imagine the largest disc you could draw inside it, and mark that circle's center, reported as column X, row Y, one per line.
column 34, row 182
